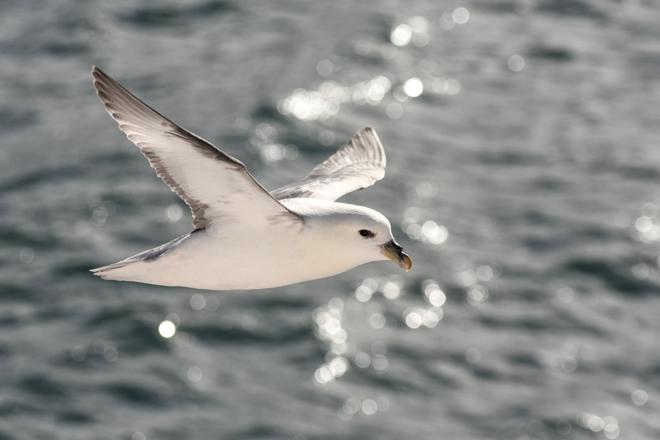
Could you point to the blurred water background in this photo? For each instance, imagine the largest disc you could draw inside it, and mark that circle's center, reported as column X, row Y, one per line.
column 523, row 175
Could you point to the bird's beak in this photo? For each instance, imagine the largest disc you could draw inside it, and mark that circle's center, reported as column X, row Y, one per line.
column 394, row 252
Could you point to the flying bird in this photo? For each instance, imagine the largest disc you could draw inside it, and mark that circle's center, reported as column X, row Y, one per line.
column 244, row 236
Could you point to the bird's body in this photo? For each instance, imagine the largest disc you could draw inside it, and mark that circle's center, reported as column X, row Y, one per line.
column 246, row 237
column 218, row 258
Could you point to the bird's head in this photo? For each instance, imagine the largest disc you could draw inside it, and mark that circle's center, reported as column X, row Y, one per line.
column 360, row 234
column 371, row 233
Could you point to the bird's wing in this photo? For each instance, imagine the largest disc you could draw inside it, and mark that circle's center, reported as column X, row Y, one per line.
column 358, row 164
column 213, row 184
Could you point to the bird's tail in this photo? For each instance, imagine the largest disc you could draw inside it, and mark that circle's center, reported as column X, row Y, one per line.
column 113, row 271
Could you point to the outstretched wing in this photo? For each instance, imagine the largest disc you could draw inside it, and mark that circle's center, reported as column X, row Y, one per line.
column 358, row 164
column 213, row 184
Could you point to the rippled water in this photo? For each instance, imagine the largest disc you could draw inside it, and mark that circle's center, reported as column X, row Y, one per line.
column 523, row 177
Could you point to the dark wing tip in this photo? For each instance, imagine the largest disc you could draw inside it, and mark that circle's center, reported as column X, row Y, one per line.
column 103, row 83
column 99, row 80
column 97, row 73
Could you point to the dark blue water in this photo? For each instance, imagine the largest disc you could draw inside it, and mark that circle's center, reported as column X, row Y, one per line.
column 523, row 177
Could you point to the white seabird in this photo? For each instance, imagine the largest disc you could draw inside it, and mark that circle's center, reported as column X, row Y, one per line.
column 246, row 237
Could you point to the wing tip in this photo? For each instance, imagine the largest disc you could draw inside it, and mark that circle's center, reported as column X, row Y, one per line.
column 369, row 131
column 98, row 79
column 368, row 140
column 103, row 83
column 96, row 71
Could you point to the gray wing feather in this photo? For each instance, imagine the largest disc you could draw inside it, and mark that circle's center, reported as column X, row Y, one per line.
column 358, row 164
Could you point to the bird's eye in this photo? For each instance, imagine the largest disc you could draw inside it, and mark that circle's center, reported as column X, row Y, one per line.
column 366, row 233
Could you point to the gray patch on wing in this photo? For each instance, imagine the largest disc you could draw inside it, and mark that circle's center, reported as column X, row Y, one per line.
column 284, row 219
column 197, row 208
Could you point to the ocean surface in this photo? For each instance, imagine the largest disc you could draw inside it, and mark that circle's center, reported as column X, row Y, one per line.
column 523, row 178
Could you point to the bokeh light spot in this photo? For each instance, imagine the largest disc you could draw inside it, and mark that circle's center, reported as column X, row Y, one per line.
column 174, row 213
column 197, row 302
column 413, row 87
column 640, row 397
column 516, row 63
column 401, row 35
column 460, row 15
column 166, row 329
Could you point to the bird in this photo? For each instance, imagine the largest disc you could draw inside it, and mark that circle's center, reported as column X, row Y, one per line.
column 245, row 237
